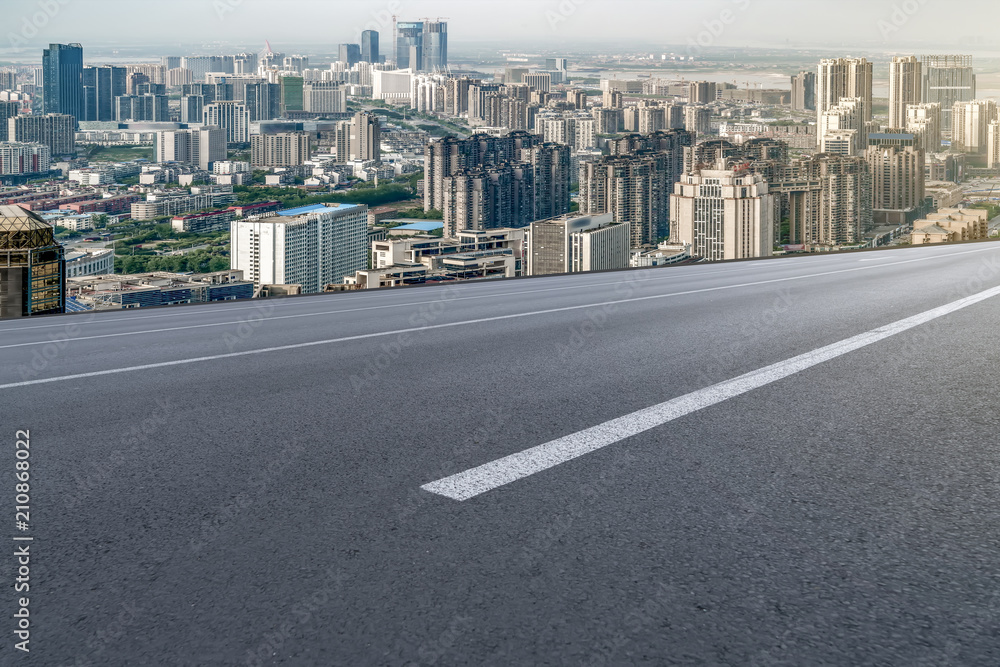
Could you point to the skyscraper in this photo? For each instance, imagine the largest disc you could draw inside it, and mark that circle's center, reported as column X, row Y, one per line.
column 435, row 46
column 409, row 40
column 970, row 123
column 62, row 66
column 101, row 86
column 905, row 87
column 350, row 54
column 33, row 277
column 948, row 79
column 369, row 46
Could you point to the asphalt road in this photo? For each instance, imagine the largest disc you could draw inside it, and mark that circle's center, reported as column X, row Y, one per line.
column 241, row 483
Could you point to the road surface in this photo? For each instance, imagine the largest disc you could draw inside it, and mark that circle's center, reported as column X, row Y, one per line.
column 782, row 462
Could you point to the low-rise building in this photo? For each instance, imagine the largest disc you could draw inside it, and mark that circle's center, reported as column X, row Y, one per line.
column 203, row 223
column 118, row 292
column 81, row 263
column 951, row 225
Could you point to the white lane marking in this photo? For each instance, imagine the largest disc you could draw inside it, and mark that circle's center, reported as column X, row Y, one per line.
column 489, row 296
column 489, row 476
column 281, row 348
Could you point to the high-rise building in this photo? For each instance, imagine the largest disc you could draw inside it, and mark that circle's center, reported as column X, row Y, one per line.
column 17, row 159
column 200, row 146
column 8, row 80
column 292, row 91
column 539, row 81
column 724, row 213
column 905, row 88
column 701, row 92
column 897, row 182
column 651, row 119
column 283, row 149
column 970, row 123
column 101, row 85
column 63, row 80
column 192, row 109
column 947, row 80
column 804, row 91
column 924, row 120
column 697, row 119
column 552, row 166
column 369, row 47
column 573, row 243
column 848, row 116
column 312, row 246
column 350, row 54
column 7, row 110
column 434, row 46
column 57, row 131
column 828, row 199
column 366, row 137
column 233, row 117
column 298, row 63
column 324, row 97
column 843, row 77
column 993, row 145
column 142, row 108
column 409, row 40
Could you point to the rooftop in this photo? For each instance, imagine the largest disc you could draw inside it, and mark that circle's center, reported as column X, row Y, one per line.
column 312, row 208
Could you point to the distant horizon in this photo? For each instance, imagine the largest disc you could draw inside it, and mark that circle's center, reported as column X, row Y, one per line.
column 876, row 26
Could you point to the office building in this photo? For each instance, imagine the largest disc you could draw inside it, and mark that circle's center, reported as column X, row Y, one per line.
column 828, row 199
column 948, row 79
column 18, row 159
column 292, row 92
column 539, row 81
column 63, row 80
column 200, row 146
column 233, row 117
column 312, row 246
column 192, row 109
column 57, row 131
column 409, row 40
column 905, row 88
column 284, row 149
column 101, row 85
column 369, row 47
column 434, row 46
column 575, row 243
column 804, row 91
column 132, row 108
column 724, row 214
column 32, row 265
column 970, row 123
column 840, row 78
column 324, row 97
column 350, row 54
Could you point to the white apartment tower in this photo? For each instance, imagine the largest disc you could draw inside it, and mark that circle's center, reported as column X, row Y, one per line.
column 312, row 246
column 724, row 214
column 233, row 117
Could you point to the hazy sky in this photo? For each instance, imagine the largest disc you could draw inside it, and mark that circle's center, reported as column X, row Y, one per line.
column 889, row 25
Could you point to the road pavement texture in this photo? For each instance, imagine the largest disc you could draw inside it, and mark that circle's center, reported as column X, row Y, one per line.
column 781, row 462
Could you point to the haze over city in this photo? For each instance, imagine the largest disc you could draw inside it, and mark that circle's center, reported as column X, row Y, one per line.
column 875, row 24
column 549, row 332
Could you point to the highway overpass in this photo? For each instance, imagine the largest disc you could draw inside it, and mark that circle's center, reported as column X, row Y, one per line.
column 782, row 462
